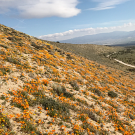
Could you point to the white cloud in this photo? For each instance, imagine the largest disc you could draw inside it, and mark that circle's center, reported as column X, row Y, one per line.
column 40, row 8
column 87, row 31
column 107, row 4
column 117, row 22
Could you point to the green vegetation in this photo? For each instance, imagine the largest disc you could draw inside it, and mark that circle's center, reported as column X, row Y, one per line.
column 112, row 94
column 5, row 123
column 74, row 85
column 28, row 127
column 13, row 60
column 4, row 71
column 61, row 90
column 96, row 91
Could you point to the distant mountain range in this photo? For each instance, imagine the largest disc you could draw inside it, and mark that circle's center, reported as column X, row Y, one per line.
column 112, row 38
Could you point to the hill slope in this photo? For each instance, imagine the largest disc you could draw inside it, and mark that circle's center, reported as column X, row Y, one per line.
column 99, row 54
column 45, row 90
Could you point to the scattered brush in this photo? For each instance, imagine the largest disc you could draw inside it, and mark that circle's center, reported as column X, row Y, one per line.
column 61, row 90
column 74, row 85
column 112, row 94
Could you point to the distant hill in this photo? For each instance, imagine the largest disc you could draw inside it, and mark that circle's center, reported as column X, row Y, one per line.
column 117, row 37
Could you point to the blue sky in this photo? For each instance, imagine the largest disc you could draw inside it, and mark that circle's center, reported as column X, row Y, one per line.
column 64, row 19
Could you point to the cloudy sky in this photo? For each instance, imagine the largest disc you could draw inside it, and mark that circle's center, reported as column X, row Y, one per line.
column 57, row 20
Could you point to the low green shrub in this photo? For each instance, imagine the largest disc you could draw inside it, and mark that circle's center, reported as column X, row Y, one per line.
column 96, row 91
column 13, row 60
column 112, row 94
column 61, row 90
column 4, row 121
column 90, row 114
column 2, row 97
column 52, row 104
column 4, row 70
column 55, row 107
column 131, row 116
column 3, row 46
column 69, row 57
column 74, row 85
column 36, row 46
column 27, row 127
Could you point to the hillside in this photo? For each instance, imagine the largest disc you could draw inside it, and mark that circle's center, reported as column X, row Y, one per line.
column 45, row 90
column 98, row 54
